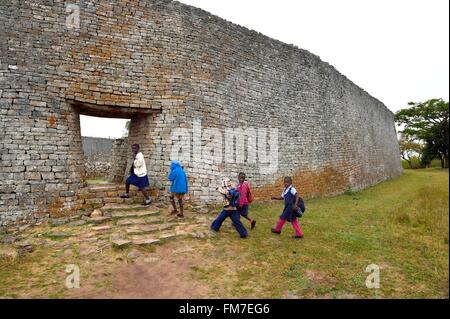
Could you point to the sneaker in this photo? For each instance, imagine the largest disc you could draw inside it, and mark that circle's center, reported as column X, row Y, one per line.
column 125, row 196
column 276, row 232
column 298, row 237
column 147, row 202
column 253, row 224
column 180, row 216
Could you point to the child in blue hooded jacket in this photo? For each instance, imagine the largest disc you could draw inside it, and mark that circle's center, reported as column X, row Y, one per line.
column 179, row 187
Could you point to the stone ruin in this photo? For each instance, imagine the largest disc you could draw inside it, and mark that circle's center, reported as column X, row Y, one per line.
column 168, row 66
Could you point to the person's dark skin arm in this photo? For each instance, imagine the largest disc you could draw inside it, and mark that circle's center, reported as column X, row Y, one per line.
column 277, row 198
column 297, row 200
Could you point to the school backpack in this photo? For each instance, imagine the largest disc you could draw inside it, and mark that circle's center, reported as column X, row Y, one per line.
column 234, row 201
column 301, row 208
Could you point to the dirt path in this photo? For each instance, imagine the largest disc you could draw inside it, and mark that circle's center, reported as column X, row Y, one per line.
column 168, row 273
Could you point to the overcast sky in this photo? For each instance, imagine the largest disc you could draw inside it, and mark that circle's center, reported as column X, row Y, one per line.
column 397, row 50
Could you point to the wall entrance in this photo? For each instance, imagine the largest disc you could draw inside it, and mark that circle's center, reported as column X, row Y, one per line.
column 141, row 124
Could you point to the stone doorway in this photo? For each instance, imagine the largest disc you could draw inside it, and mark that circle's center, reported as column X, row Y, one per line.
column 105, row 145
column 141, row 125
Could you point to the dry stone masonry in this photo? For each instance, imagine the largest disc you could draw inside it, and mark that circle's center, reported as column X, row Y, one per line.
column 167, row 66
column 97, row 157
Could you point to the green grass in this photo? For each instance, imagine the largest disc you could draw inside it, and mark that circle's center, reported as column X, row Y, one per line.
column 401, row 225
column 436, row 163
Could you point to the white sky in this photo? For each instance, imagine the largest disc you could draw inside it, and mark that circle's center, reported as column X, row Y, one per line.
column 397, row 50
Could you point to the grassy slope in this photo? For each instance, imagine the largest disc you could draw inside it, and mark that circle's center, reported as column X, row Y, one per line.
column 401, row 225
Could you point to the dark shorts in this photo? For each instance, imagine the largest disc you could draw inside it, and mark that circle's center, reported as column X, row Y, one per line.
column 243, row 211
column 139, row 182
column 177, row 196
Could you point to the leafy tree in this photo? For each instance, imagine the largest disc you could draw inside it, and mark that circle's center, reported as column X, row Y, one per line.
column 408, row 149
column 428, row 122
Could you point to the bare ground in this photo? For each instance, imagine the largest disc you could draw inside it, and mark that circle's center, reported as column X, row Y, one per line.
column 166, row 274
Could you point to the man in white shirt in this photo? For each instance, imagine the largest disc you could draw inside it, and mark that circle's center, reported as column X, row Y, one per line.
column 138, row 175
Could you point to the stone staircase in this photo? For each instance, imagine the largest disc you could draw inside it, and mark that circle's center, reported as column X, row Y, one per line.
column 97, row 196
column 127, row 223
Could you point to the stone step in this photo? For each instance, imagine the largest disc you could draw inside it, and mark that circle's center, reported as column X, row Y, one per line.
column 144, row 240
column 98, row 220
column 139, row 221
column 125, row 207
column 141, row 229
column 113, row 200
column 166, row 226
column 133, row 213
column 119, row 242
column 102, row 229
column 94, row 201
column 167, row 235
column 133, row 200
column 104, row 188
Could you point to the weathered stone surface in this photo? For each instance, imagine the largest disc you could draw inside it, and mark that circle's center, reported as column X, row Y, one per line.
column 127, row 214
column 99, row 220
column 101, row 228
column 167, row 235
column 24, row 248
column 128, row 222
column 59, row 221
column 142, row 229
column 59, row 234
column 166, row 66
column 78, row 223
column 115, row 207
column 96, row 213
column 8, row 239
column 144, row 240
column 134, row 254
column 165, row 226
column 120, row 242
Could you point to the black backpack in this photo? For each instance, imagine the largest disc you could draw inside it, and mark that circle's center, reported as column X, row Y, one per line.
column 301, row 208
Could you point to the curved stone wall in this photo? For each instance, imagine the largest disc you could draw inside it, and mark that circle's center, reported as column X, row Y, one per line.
column 170, row 66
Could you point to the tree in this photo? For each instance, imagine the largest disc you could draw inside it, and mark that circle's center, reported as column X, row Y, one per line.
column 408, row 149
column 427, row 122
column 126, row 131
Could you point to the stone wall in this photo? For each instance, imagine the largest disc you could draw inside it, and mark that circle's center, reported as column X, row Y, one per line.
column 166, row 65
column 119, row 160
column 97, row 156
column 97, row 167
column 97, row 146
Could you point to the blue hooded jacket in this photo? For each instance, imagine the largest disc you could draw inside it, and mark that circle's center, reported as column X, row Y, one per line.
column 178, row 178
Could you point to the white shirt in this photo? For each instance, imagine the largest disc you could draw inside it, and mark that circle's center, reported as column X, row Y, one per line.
column 140, row 169
column 289, row 189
